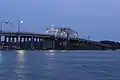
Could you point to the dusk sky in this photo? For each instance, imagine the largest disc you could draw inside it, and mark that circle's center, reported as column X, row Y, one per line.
column 99, row 19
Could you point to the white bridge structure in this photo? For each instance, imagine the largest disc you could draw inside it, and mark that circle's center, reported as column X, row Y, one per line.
column 62, row 32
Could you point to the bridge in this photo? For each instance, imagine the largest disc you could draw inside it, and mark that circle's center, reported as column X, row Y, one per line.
column 55, row 38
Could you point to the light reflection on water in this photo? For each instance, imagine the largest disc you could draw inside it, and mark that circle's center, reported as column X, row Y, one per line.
column 49, row 61
column 20, row 65
column 59, row 65
column 20, row 55
column 1, row 59
column 49, row 53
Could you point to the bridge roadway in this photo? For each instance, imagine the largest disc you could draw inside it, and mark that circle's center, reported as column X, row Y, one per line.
column 34, row 41
column 23, row 34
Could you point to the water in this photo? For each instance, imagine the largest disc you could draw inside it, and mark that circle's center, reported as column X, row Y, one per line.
column 66, row 65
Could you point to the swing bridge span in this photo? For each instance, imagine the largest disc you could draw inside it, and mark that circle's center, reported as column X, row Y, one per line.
column 55, row 38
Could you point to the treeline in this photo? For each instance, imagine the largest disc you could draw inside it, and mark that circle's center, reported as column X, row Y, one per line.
column 112, row 43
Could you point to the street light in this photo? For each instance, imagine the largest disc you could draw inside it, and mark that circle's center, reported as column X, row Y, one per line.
column 7, row 22
column 19, row 21
column 1, row 26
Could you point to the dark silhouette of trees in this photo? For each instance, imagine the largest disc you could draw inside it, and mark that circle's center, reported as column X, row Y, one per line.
column 111, row 43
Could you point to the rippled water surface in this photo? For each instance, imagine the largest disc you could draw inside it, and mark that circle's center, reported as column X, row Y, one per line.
column 59, row 65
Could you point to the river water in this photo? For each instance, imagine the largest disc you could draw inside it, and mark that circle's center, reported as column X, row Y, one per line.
column 59, row 65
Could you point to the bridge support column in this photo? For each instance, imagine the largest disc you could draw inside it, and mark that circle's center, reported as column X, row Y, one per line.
column 53, row 44
column 0, row 43
column 32, row 46
column 27, row 41
column 38, row 43
column 18, row 42
column 24, row 43
column 41, row 43
column 34, row 42
column 14, row 41
column 11, row 42
column 5, row 41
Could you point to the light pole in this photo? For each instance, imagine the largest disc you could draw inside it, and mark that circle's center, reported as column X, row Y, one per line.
column 1, row 27
column 7, row 22
column 18, row 39
column 19, row 24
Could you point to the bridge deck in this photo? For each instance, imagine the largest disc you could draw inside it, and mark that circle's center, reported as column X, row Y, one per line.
column 43, row 35
column 24, row 34
column 52, row 43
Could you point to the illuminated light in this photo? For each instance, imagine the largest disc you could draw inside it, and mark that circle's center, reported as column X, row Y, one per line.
column 47, row 31
column 52, row 29
column 62, row 34
column 21, row 52
column 52, row 54
column 63, row 51
column 20, row 55
column 0, row 57
column 60, row 43
column 52, row 25
column 51, row 50
column 21, row 21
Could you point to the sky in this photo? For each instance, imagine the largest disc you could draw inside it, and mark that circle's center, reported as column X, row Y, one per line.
column 99, row 19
